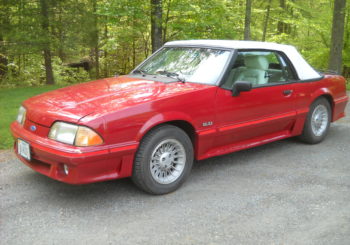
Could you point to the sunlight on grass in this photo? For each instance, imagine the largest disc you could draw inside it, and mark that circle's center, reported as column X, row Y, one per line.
column 10, row 100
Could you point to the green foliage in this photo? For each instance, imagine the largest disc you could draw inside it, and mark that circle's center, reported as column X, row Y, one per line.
column 31, row 75
column 114, row 35
column 65, row 75
column 34, row 74
column 199, row 20
column 10, row 100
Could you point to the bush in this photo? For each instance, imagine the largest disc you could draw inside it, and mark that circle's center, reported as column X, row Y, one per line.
column 33, row 74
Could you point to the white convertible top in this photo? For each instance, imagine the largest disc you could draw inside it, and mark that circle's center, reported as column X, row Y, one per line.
column 303, row 69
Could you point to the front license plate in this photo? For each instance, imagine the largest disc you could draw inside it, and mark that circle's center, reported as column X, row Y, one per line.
column 23, row 149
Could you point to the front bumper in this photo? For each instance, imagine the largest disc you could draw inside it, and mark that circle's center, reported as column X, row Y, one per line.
column 85, row 164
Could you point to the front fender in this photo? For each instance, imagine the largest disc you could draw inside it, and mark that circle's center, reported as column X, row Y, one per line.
column 163, row 118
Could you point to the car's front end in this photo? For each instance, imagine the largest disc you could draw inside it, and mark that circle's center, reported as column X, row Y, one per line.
column 69, row 152
column 52, row 138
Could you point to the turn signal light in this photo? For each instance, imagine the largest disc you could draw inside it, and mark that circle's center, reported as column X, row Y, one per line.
column 87, row 137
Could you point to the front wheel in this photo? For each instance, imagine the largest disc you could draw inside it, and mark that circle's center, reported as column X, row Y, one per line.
column 163, row 160
column 317, row 122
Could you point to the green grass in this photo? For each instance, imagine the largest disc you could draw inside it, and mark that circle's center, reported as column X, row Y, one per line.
column 10, row 100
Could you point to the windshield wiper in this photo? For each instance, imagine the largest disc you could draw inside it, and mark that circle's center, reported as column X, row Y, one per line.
column 172, row 75
column 139, row 71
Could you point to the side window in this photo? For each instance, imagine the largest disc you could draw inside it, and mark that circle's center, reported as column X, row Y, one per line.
column 259, row 68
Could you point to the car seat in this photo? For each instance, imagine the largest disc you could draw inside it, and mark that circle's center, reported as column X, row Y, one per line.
column 255, row 70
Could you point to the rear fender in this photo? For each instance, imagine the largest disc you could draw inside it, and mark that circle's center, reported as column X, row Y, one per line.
column 325, row 92
column 322, row 92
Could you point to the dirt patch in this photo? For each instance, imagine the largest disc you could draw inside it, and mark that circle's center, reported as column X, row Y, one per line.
column 6, row 155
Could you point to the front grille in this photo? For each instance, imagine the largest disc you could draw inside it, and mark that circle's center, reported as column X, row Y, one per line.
column 36, row 128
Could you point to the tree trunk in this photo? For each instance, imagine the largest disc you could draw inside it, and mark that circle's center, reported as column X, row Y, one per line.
column 346, row 69
column 248, row 13
column 46, row 47
column 283, row 27
column 166, row 21
column 335, row 57
column 48, row 66
column 95, row 40
column 134, row 38
column 266, row 21
column 61, row 52
column 3, row 57
column 156, row 24
column 106, row 72
column 347, row 29
column 3, row 63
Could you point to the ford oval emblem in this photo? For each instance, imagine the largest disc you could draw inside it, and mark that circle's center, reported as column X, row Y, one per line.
column 32, row 128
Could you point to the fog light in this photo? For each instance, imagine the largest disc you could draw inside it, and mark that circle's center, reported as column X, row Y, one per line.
column 65, row 169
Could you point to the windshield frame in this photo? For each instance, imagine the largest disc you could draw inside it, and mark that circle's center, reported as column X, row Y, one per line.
column 216, row 83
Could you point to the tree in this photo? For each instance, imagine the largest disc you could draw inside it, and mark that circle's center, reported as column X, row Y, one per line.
column 95, row 38
column 4, row 24
column 282, row 26
column 156, row 24
column 248, row 12
column 266, row 21
column 105, row 37
column 46, row 46
column 335, row 57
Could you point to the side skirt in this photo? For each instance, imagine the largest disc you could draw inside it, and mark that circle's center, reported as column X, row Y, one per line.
column 246, row 144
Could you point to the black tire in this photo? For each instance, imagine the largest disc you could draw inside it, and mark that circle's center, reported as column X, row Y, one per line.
column 308, row 135
column 142, row 176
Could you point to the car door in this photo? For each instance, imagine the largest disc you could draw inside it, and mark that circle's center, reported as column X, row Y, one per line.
column 267, row 111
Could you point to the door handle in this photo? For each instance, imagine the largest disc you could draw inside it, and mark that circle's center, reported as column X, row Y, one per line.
column 287, row 92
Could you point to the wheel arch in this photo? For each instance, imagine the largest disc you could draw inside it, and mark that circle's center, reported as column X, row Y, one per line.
column 329, row 98
column 186, row 127
column 308, row 135
column 183, row 122
column 324, row 93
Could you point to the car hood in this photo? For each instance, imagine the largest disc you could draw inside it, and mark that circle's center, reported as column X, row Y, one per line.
column 75, row 102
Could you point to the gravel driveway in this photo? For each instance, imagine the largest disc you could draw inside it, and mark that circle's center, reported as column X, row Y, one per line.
column 285, row 192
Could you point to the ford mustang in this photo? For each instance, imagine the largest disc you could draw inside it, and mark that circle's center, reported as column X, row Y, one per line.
column 190, row 100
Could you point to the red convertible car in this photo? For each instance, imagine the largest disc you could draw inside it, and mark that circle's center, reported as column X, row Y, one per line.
column 189, row 100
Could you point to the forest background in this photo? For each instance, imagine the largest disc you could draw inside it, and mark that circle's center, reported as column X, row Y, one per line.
column 70, row 41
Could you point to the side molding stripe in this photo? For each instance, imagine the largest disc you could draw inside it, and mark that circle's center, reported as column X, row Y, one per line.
column 251, row 123
column 341, row 100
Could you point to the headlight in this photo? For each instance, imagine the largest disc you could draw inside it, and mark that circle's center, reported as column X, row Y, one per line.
column 63, row 132
column 21, row 116
column 74, row 134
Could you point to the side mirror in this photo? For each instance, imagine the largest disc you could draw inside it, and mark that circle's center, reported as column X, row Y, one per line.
column 241, row 86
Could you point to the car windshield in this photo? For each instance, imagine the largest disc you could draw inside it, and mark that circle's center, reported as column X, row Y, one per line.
column 197, row 65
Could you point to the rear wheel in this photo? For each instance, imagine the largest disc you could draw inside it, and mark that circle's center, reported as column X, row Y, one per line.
column 317, row 122
column 163, row 160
